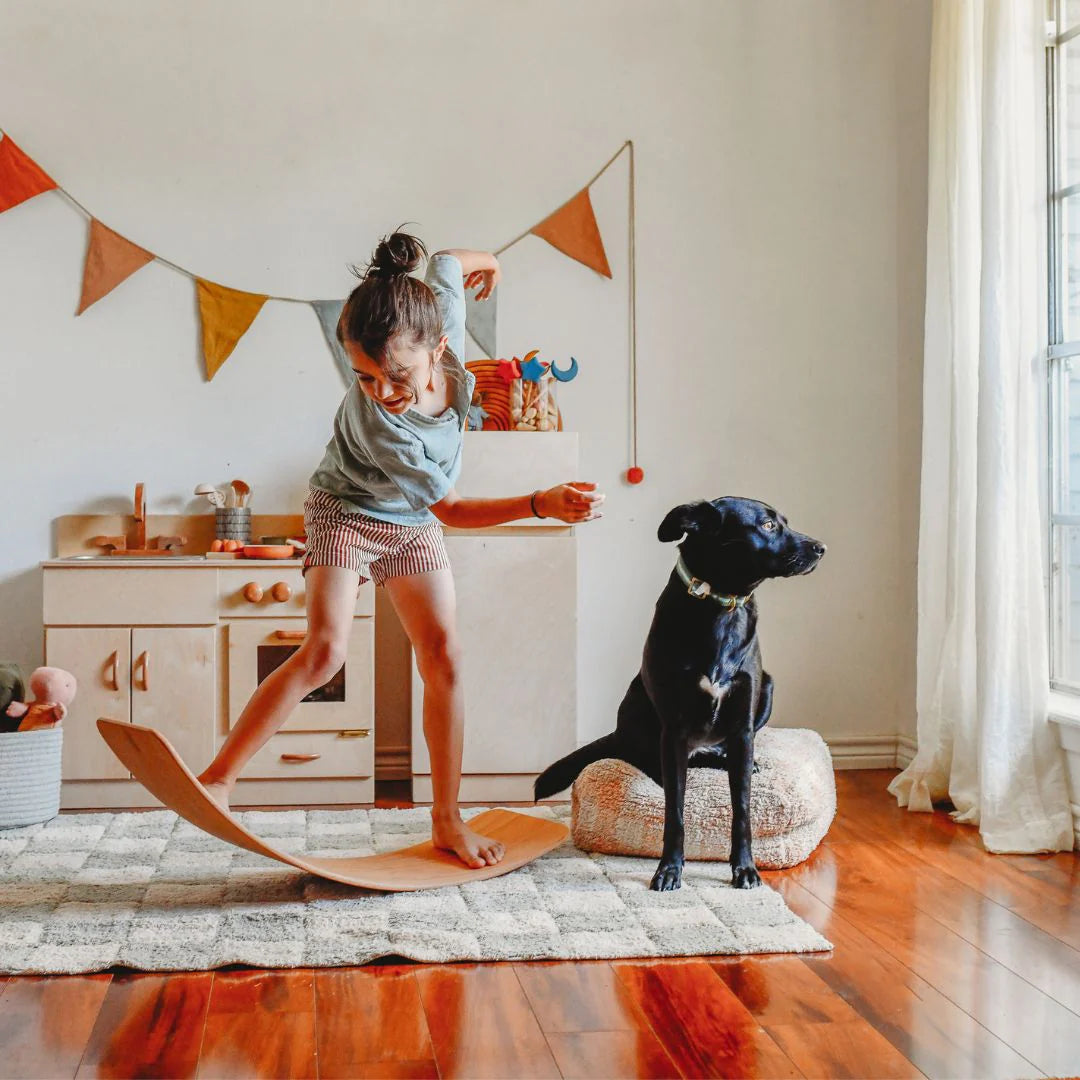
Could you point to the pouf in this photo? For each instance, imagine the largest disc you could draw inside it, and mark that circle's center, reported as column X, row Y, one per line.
column 618, row 810
column 30, row 776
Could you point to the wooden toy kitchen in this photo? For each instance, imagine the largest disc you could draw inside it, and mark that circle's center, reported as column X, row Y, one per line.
column 161, row 631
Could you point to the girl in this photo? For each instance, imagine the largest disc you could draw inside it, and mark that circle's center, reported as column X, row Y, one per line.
column 377, row 500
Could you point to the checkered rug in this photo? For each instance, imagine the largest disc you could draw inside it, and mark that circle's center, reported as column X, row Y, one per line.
column 148, row 891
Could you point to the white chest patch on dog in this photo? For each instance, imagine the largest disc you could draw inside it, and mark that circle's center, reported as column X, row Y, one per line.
column 717, row 691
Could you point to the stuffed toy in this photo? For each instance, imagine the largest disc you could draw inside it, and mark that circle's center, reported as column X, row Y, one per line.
column 12, row 688
column 53, row 690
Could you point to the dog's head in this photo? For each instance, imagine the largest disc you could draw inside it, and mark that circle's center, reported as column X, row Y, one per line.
column 735, row 544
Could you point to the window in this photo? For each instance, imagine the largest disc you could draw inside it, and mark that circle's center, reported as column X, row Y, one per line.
column 1063, row 248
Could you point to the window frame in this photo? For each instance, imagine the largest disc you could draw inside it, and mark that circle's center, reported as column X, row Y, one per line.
column 1062, row 357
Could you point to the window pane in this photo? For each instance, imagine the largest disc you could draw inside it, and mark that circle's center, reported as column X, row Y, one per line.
column 1069, row 272
column 1068, row 106
column 1070, row 15
column 1066, row 602
column 1065, row 580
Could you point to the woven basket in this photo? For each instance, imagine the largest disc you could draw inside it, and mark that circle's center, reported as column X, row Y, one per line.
column 30, row 776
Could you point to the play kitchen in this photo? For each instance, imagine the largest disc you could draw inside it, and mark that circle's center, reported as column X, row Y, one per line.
column 160, row 629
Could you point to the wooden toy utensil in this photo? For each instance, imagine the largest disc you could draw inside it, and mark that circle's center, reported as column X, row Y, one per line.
column 243, row 492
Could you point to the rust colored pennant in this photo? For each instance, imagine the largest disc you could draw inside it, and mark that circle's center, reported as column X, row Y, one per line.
column 110, row 259
column 20, row 177
column 573, row 230
column 226, row 315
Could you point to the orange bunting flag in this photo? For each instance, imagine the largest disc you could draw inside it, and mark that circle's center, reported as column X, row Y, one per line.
column 226, row 315
column 573, row 230
column 20, row 178
column 110, row 259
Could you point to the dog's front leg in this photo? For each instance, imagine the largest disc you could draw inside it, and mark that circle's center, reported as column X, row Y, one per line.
column 674, row 754
column 740, row 746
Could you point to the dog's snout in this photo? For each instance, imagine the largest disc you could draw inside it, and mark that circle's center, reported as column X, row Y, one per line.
column 819, row 548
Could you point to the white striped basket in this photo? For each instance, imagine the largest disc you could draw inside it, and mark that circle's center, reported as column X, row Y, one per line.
column 30, row 776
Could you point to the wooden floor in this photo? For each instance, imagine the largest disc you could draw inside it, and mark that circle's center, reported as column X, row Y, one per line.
column 948, row 962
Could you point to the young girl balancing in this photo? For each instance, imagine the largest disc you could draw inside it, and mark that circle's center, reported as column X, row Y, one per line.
column 377, row 500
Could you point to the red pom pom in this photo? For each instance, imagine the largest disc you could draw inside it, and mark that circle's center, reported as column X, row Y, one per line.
column 635, row 475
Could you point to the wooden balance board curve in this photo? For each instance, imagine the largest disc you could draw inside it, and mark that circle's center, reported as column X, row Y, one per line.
column 157, row 766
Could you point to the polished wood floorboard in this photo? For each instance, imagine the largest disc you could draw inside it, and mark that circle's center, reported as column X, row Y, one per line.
column 948, row 962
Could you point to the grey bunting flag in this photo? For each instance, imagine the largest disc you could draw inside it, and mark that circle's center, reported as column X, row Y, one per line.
column 329, row 311
column 480, row 322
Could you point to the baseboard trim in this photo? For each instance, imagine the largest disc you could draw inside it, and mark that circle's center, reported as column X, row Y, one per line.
column 870, row 751
column 393, row 763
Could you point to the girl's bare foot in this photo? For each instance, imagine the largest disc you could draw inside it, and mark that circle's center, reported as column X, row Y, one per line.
column 452, row 834
column 218, row 790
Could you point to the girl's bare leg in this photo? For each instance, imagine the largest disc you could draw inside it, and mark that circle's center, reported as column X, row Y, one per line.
column 331, row 601
column 425, row 603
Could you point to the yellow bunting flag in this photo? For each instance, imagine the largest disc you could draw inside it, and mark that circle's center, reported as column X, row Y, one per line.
column 226, row 315
column 110, row 259
column 573, row 230
column 20, row 178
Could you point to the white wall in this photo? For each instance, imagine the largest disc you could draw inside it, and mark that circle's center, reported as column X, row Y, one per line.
column 781, row 164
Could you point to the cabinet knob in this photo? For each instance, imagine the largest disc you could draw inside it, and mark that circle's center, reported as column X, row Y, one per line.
column 281, row 592
column 253, row 592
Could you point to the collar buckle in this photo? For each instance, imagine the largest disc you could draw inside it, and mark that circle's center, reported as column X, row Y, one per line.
column 702, row 590
column 698, row 589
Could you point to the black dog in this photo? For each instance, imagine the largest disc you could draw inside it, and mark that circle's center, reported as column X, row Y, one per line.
column 701, row 693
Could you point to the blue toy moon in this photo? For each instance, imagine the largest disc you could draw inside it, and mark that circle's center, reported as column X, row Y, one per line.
column 564, row 376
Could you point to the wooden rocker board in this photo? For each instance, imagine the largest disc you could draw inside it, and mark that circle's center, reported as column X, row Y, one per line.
column 156, row 765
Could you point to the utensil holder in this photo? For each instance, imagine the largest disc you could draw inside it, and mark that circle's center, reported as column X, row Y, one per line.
column 30, row 776
column 233, row 523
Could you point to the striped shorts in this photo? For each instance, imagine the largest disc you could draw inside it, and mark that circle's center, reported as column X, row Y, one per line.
column 375, row 549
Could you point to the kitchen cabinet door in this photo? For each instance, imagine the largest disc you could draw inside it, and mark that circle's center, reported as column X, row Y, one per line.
column 517, row 622
column 173, row 687
column 100, row 660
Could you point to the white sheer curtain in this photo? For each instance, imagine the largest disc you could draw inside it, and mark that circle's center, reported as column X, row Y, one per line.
column 984, row 740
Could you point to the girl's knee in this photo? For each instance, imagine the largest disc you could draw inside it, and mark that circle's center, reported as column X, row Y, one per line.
column 321, row 659
column 438, row 656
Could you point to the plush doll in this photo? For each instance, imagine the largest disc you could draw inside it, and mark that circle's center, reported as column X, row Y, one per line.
column 12, row 688
column 53, row 690
column 477, row 413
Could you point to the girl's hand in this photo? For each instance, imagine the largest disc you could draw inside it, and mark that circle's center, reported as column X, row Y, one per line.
column 486, row 280
column 573, row 503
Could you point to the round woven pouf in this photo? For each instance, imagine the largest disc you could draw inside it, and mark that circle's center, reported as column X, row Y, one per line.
column 30, row 776
column 618, row 810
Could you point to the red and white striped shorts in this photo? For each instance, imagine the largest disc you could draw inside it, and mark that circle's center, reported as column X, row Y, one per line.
column 375, row 549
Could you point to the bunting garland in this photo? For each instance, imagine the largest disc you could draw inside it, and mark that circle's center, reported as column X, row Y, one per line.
column 572, row 229
column 329, row 311
column 226, row 314
column 480, row 321
column 110, row 259
column 20, row 178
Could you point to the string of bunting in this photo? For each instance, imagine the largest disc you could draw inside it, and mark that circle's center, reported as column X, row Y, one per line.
column 226, row 314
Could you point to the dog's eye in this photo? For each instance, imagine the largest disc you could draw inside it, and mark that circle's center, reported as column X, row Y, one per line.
column 768, row 526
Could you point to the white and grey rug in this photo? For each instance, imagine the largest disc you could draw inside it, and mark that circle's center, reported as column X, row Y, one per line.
column 148, row 891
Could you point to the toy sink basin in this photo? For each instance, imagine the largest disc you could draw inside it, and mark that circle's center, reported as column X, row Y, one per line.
column 133, row 558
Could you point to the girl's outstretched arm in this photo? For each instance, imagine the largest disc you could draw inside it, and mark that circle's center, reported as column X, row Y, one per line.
column 573, row 503
column 478, row 267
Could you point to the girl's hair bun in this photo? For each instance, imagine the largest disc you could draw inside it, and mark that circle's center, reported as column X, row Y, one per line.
column 397, row 254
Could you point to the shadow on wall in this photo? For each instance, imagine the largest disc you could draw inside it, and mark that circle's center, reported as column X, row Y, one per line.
column 20, row 610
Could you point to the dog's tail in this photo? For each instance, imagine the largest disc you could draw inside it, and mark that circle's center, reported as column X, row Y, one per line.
column 565, row 771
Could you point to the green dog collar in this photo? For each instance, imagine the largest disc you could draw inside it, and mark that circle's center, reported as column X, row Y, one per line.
column 699, row 589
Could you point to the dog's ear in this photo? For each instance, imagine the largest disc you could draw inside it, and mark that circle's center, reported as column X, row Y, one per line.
column 682, row 519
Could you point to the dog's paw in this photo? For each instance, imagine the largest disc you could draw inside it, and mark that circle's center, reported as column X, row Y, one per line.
column 745, row 877
column 668, row 876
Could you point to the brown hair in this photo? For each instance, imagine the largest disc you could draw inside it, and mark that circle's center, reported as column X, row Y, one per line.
column 389, row 302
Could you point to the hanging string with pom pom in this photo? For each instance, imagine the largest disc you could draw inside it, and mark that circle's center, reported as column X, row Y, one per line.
column 635, row 474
